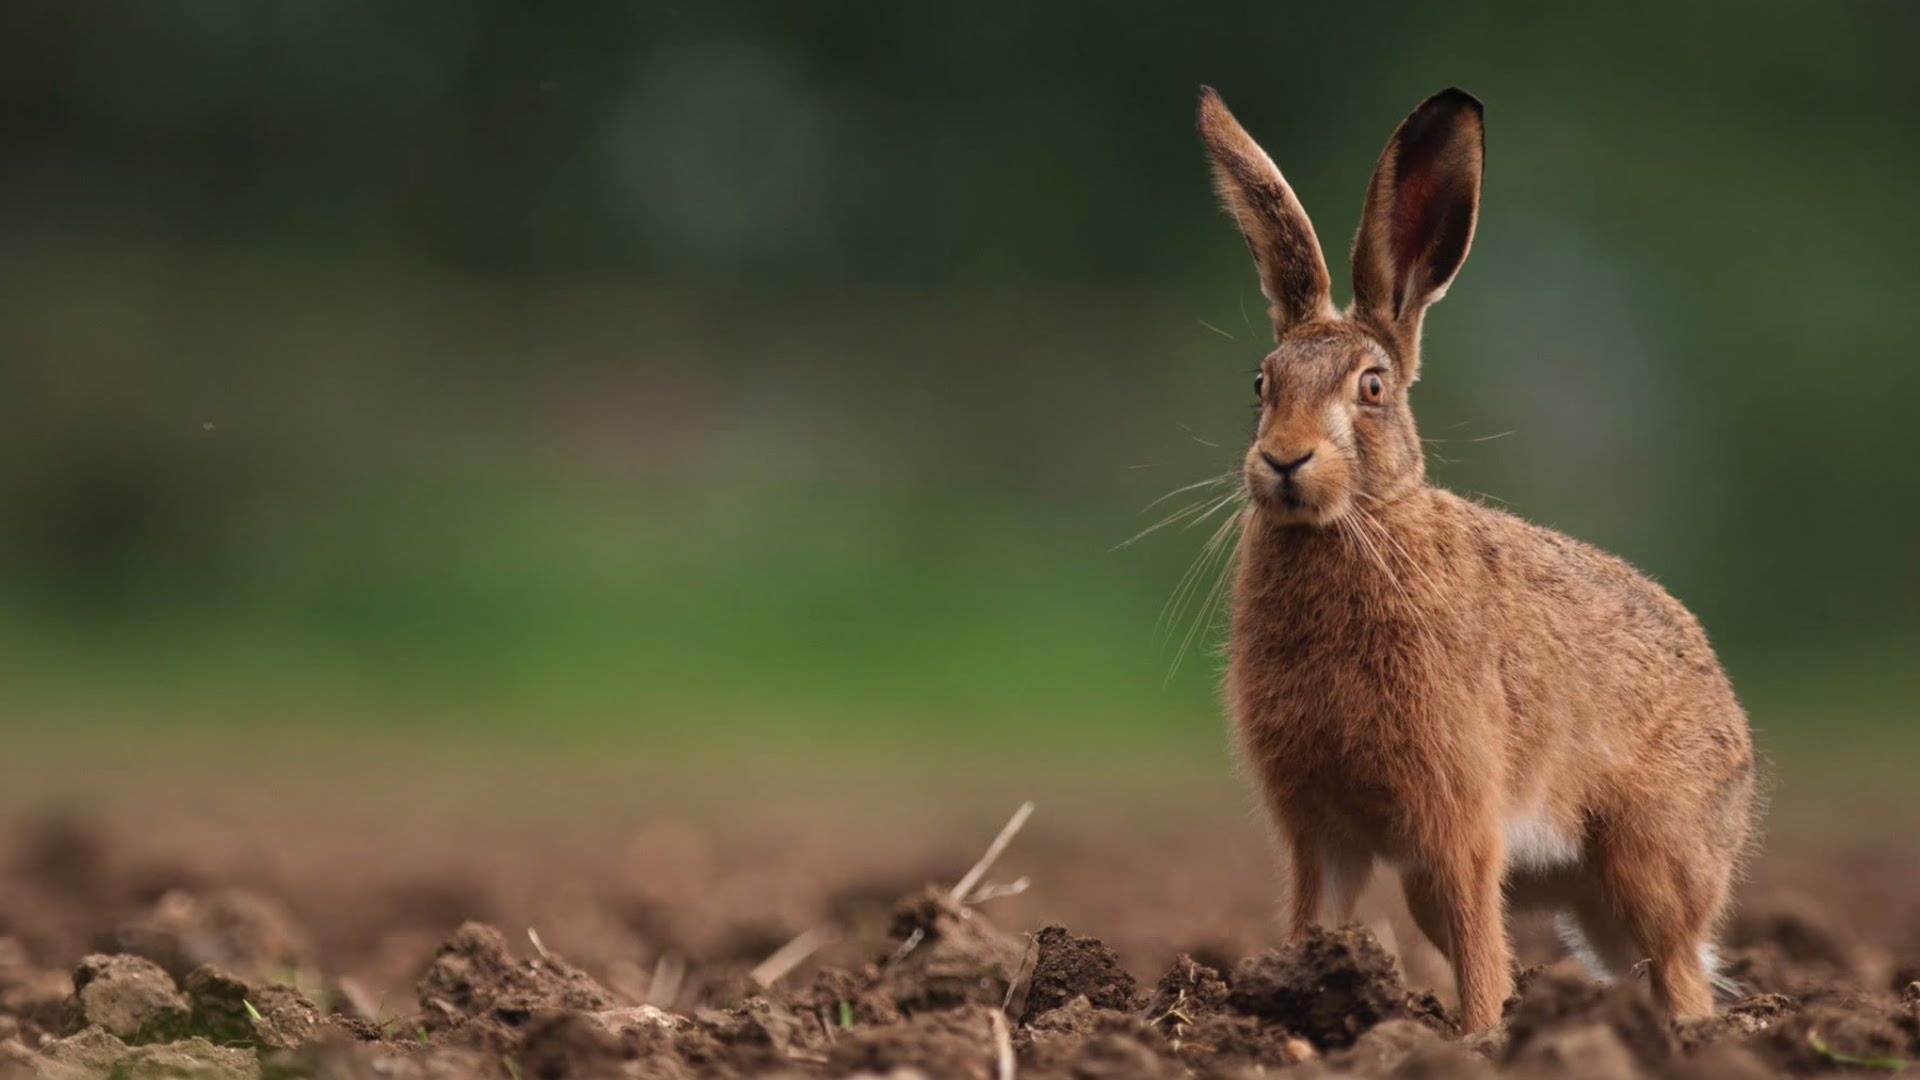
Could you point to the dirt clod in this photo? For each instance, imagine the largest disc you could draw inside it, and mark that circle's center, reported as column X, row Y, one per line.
column 96, row 1052
column 954, row 1044
column 33, row 1001
column 948, row 956
column 1579, row 1051
column 1556, row 1010
column 1188, row 987
column 233, row 1013
column 1070, row 967
column 240, row 931
column 1783, row 942
column 1329, row 988
column 562, row 1045
column 474, row 982
column 129, row 998
column 1381, row 1048
column 1832, row 1034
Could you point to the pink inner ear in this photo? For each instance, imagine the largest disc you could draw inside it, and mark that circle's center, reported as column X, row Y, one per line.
column 1415, row 213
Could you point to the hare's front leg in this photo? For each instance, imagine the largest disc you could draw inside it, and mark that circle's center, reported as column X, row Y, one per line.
column 1458, row 884
column 1328, row 877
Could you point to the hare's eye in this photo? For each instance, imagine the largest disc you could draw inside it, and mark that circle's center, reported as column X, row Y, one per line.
column 1372, row 388
column 1259, row 384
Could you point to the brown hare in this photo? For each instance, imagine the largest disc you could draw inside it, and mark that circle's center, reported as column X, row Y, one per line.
column 1498, row 711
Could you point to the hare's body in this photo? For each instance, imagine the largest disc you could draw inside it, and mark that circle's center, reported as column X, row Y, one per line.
column 1452, row 690
column 1496, row 710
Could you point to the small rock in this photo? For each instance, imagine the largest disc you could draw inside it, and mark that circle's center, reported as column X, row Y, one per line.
column 632, row 1016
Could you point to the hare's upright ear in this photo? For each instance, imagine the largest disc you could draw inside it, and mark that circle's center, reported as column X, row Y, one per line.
column 1293, row 273
column 1418, row 220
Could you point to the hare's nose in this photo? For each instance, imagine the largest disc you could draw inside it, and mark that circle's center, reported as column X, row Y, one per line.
column 1286, row 469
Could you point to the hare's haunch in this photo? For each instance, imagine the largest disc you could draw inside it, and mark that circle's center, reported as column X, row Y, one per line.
column 1496, row 710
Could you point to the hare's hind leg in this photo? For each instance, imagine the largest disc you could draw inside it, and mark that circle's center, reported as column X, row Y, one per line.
column 1665, row 898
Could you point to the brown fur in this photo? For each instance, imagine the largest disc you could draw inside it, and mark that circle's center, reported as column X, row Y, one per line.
column 1417, row 678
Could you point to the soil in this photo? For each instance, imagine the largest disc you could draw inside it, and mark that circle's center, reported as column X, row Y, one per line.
column 136, row 950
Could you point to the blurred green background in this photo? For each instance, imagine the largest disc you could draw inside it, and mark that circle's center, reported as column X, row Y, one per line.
column 786, row 375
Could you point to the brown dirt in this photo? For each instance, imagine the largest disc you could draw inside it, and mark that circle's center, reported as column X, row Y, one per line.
column 150, row 952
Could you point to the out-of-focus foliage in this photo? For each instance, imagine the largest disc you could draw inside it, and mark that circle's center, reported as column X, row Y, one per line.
column 808, row 360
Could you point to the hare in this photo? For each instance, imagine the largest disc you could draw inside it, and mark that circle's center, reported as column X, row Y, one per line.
column 1495, row 710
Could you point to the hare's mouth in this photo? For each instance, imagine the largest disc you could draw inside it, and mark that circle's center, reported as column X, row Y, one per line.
column 1293, row 504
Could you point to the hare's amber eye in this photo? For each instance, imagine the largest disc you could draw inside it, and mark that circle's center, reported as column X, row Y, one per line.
column 1372, row 389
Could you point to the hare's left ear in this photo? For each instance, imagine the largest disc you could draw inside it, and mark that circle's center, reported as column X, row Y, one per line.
column 1418, row 220
column 1293, row 272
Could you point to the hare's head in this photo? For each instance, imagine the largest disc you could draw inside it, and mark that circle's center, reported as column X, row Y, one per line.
column 1335, row 427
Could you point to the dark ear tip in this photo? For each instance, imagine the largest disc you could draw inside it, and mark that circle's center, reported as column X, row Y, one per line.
column 1455, row 98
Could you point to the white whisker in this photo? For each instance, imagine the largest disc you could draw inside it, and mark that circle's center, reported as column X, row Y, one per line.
column 1203, row 564
column 1351, row 526
column 1380, row 529
column 1205, row 580
column 1211, row 481
column 1224, row 500
column 1204, row 618
column 1195, row 436
column 1371, row 524
column 1198, row 511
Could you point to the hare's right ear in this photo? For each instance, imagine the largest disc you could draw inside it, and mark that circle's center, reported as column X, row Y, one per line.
column 1293, row 273
column 1418, row 221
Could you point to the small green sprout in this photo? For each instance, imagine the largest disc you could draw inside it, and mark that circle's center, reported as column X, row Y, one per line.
column 846, row 1014
column 251, row 1011
column 1820, row 1046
